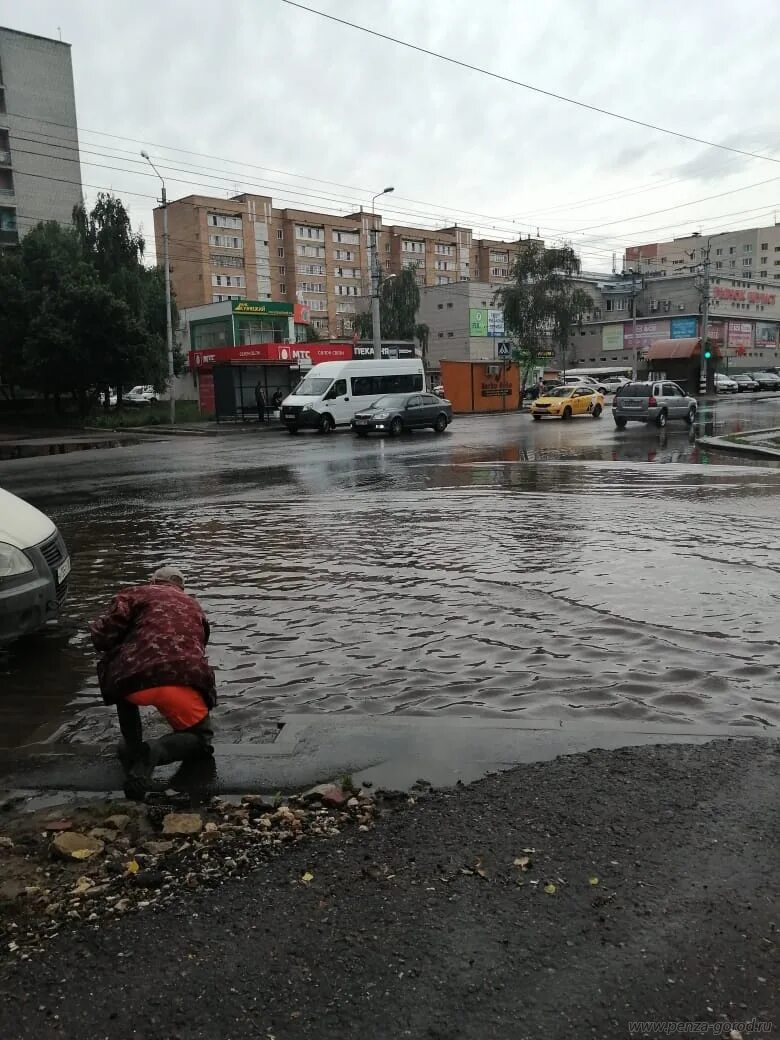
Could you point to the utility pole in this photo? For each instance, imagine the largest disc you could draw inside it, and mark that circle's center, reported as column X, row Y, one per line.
column 376, row 326
column 166, row 261
column 635, row 341
column 705, row 315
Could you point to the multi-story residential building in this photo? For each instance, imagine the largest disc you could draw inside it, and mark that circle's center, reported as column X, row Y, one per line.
column 751, row 253
column 226, row 249
column 40, row 171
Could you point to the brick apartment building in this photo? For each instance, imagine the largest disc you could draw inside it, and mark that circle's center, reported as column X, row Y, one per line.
column 244, row 248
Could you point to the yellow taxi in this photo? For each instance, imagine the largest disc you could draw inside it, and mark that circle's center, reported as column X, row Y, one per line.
column 566, row 401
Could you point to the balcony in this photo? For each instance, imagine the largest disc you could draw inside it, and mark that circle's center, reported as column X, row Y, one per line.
column 9, row 237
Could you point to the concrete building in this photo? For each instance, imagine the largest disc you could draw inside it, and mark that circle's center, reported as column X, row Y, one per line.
column 40, row 171
column 464, row 323
column 751, row 253
column 244, row 248
column 744, row 318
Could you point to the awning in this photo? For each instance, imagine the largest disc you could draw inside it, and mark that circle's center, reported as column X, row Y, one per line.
column 669, row 349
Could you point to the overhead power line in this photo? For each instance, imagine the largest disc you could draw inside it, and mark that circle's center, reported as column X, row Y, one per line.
column 526, row 86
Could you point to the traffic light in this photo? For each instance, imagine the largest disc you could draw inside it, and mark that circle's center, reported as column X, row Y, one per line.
column 707, row 352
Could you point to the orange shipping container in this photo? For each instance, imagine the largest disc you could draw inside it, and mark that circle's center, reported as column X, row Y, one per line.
column 481, row 386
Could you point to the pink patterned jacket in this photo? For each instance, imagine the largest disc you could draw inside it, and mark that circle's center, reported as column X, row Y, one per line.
column 152, row 635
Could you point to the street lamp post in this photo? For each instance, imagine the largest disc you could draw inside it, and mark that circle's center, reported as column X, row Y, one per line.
column 166, row 261
column 375, row 319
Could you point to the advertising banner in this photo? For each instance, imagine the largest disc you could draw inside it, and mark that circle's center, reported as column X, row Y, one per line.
column 612, row 337
column 766, row 334
column 716, row 332
column 740, row 337
column 495, row 323
column 478, row 321
column 684, row 328
column 262, row 307
column 647, row 332
column 270, row 353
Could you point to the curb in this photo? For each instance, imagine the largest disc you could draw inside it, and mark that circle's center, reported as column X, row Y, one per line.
column 738, row 449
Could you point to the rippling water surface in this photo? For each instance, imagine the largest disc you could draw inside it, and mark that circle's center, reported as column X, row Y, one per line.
column 543, row 578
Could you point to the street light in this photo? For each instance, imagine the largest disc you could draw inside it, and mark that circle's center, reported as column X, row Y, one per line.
column 375, row 319
column 168, row 323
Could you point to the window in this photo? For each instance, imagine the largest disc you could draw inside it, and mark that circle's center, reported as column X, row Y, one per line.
column 376, row 386
column 764, row 259
column 317, row 251
column 218, row 260
column 222, row 297
column 226, row 241
column 617, row 303
column 311, row 268
column 280, row 235
column 718, row 264
column 280, row 251
column 236, row 280
column 443, row 265
column 412, row 246
column 747, row 261
column 776, row 263
column 444, row 250
column 282, row 271
column 442, row 279
column 345, row 308
column 499, row 258
column 732, row 250
column 387, row 265
column 718, row 252
column 306, row 231
column 347, row 272
column 218, row 220
column 387, row 247
column 282, row 288
column 747, row 248
column 316, row 305
column 450, row 335
column 762, row 274
column 777, row 249
column 343, row 254
column 313, row 286
column 732, row 263
column 350, row 238
column 346, row 290
column 499, row 272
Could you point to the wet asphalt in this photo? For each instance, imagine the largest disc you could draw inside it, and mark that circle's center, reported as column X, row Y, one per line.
column 508, row 568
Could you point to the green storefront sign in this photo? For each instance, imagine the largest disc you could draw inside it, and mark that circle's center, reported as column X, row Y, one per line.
column 262, row 307
column 478, row 321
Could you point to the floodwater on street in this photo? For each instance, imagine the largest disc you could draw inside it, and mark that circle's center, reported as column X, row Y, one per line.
column 544, row 570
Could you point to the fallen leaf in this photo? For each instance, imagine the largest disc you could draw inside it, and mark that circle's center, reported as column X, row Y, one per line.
column 593, row 880
column 529, row 850
column 523, row 862
column 479, row 869
column 81, row 854
column 132, row 867
column 307, row 877
column 550, row 888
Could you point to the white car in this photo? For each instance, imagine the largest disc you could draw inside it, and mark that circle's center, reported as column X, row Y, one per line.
column 613, row 383
column 34, row 568
column 141, row 395
column 724, row 385
column 572, row 379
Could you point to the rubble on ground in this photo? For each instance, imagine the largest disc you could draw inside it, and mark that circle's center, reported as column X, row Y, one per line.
column 99, row 863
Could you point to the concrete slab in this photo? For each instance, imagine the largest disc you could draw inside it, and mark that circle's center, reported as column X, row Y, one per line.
column 388, row 751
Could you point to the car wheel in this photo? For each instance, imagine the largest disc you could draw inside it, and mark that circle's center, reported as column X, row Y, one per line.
column 620, row 423
column 536, row 418
column 690, row 418
column 662, row 418
column 441, row 424
column 292, row 429
column 396, row 427
column 566, row 413
column 596, row 413
column 326, row 423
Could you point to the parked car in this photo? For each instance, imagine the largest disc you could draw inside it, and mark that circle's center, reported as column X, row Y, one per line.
column 566, row 401
column 767, row 380
column 141, row 395
column 744, row 382
column 725, row 385
column 612, row 384
column 657, row 402
column 396, row 413
column 573, row 379
column 34, row 568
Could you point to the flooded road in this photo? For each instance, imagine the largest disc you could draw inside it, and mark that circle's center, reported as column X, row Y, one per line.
column 554, row 570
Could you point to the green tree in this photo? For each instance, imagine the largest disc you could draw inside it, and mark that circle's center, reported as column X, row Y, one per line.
column 422, row 333
column 116, row 253
column 542, row 304
column 399, row 301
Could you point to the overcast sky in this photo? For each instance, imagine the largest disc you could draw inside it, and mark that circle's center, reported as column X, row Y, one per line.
column 271, row 97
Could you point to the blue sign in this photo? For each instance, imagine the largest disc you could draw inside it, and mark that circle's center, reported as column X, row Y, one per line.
column 504, row 350
column 684, row 328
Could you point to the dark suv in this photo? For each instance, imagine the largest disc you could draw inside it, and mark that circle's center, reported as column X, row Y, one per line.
column 657, row 401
